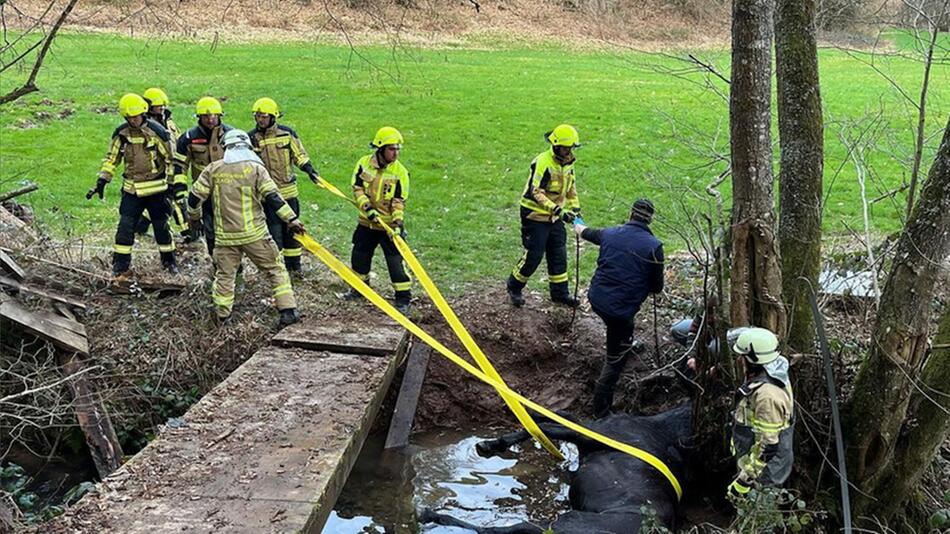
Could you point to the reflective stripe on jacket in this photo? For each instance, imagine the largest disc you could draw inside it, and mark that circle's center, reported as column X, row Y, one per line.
column 147, row 154
column 280, row 149
column 237, row 191
column 550, row 184
column 763, row 430
column 197, row 148
column 384, row 190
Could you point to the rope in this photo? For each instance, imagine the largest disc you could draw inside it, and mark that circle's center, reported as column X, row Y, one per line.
column 577, row 277
column 835, row 418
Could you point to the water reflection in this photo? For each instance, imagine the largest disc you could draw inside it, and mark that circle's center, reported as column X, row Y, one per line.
column 442, row 471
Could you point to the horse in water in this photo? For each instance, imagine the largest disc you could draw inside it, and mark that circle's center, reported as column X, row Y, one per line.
column 609, row 487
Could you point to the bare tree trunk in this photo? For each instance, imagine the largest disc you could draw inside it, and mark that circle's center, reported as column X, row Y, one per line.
column 926, row 428
column 30, row 85
column 756, row 277
column 878, row 406
column 802, row 144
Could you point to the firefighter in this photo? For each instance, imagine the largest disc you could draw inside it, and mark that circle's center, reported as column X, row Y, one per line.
column 237, row 186
column 280, row 149
column 629, row 268
column 158, row 111
column 381, row 187
column 146, row 150
column 549, row 200
column 763, row 424
column 197, row 148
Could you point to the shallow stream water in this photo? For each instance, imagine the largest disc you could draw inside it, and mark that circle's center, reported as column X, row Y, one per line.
column 441, row 470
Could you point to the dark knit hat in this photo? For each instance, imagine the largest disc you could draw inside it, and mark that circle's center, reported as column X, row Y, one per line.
column 642, row 211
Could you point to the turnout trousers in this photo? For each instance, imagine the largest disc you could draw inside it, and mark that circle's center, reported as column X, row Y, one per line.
column 263, row 253
column 619, row 340
column 131, row 208
column 288, row 246
column 541, row 239
column 365, row 241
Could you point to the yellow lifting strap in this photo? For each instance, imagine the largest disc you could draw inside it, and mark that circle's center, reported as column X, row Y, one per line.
column 483, row 363
column 354, row 280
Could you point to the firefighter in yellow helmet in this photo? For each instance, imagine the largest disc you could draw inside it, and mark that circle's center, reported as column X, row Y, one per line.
column 280, row 149
column 549, row 200
column 237, row 187
column 764, row 421
column 145, row 148
column 158, row 111
column 197, row 148
column 380, row 188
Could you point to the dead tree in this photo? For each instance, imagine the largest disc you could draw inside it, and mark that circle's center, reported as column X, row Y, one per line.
column 43, row 44
column 876, row 421
column 802, row 146
column 756, row 275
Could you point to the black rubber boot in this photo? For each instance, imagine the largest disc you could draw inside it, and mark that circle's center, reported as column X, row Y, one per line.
column 121, row 263
column 514, row 292
column 169, row 263
column 566, row 300
column 403, row 301
column 289, row 316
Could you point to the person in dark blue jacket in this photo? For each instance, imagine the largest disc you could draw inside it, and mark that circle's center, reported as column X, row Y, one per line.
column 629, row 268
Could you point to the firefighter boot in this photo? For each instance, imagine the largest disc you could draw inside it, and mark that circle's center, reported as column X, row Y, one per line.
column 403, row 301
column 561, row 295
column 514, row 292
column 289, row 316
column 169, row 263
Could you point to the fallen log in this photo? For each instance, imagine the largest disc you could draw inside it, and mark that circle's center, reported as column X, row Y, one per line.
column 17, row 192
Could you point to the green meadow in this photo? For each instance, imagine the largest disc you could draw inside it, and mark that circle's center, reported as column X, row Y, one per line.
column 473, row 118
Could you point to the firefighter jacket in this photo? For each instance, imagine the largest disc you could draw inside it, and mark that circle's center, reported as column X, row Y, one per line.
column 384, row 190
column 762, row 431
column 280, row 149
column 147, row 154
column 195, row 149
column 550, row 184
column 237, row 191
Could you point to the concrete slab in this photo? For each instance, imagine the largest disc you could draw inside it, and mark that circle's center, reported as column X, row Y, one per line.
column 379, row 338
column 268, row 450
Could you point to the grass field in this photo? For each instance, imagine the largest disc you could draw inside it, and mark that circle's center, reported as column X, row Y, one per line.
column 472, row 119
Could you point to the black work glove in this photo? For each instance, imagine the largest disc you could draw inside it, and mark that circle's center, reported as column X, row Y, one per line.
column 296, row 227
column 557, row 211
column 372, row 214
column 179, row 191
column 314, row 176
column 568, row 217
column 99, row 189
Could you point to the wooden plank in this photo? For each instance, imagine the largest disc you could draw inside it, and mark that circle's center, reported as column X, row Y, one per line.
column 267, row 450
column 42, row 326
column 400, row 427
column 56, row 297
column 11, row 266
column 378, row 339
column 93, row 419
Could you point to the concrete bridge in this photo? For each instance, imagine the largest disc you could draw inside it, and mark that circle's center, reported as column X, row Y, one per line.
column 267, row 450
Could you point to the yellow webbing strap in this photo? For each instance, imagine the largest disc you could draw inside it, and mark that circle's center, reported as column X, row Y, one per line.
column 354, row 280
column 483, row 363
